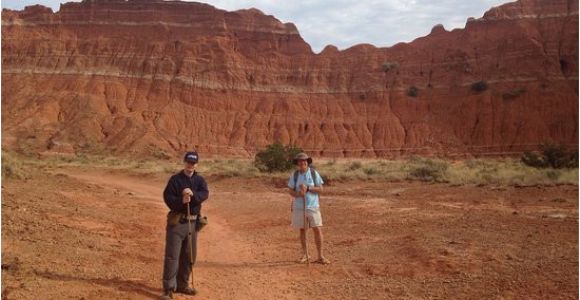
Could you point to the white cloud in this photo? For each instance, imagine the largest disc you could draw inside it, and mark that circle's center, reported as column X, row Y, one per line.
column 345, row 23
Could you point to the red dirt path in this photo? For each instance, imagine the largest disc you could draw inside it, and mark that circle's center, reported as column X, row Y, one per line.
column 99, row 234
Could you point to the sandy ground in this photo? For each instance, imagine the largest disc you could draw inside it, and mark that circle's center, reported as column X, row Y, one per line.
column 99, row 234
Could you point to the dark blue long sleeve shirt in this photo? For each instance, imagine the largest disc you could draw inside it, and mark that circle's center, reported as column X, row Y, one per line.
column 172, row 195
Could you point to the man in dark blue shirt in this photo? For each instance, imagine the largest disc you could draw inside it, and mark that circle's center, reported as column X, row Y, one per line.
column 184, row 189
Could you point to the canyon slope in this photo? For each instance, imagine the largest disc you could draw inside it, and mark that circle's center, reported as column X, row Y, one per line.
column 159, row 77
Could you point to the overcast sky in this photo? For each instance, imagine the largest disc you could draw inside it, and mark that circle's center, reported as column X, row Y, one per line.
column 345, row 23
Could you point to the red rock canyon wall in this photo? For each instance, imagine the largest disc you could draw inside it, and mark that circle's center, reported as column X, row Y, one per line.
column 147, row 76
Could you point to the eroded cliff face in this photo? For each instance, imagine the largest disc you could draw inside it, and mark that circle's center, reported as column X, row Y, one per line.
column 148, row 76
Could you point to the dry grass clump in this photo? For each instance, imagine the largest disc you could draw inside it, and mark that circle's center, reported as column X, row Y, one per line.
column 508, row 172
column 425, row 169
column 13, row 167
column 229, row 167
column 472, row 171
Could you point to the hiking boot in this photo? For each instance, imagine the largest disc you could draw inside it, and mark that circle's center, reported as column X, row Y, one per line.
column 167, row 295
column 187, row 291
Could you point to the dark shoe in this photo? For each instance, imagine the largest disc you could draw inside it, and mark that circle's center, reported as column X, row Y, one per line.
column 187, row 291
column 167, row 295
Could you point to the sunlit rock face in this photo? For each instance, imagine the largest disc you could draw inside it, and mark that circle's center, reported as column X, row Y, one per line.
column 164, row 76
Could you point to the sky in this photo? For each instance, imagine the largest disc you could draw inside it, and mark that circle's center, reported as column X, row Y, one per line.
column 345, row 23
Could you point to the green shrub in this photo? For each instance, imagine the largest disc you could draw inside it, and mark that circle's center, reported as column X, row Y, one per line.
column 573, row 159
column 387, row 66
column 557, row 156
column 552, row 156
column 276, row 157
column 479, row 86
column 533, row 160
column 428, row 170
column 413, row 91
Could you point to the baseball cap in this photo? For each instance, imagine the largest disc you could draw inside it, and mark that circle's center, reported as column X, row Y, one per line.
column 191, row 157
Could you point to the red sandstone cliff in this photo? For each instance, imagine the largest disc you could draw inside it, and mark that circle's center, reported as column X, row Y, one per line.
column 143, row 76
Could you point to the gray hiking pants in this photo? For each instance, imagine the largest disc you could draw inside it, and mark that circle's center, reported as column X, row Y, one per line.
column 177, row 266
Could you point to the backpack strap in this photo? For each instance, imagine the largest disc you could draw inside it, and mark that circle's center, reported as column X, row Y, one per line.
column 312, row 174
column 295, row 178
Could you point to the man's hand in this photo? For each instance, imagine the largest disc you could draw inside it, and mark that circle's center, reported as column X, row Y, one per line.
column 303, row 189
column 186, row 195
column 187, row 191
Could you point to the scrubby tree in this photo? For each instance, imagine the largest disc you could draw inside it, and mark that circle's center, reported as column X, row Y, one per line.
column 387, row 66
column 479, row 86
column 276, row 157
column 552, row 156
column 413, row 91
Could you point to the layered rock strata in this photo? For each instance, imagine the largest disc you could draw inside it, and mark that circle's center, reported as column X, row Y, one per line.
column 152, row 77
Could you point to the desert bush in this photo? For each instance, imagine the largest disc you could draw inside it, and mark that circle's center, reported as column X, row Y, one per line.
column 427, row 170
column 533, row 160
column 371, row 171
column 355, row 165
column 387, row 66
column 552, row 156
column 573, row 159
column 413, row 91
column 276, row 157
column 12, row 167
column 487, row 175
column 557, row 156
column 553, row 174
column 160, row 154
column 479, row 86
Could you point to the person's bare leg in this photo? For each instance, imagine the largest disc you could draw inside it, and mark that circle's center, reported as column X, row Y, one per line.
column 303, row 242
column 319, row 239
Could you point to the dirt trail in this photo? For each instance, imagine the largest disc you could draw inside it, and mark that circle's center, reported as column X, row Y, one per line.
column 99, row 234
column 226, row 268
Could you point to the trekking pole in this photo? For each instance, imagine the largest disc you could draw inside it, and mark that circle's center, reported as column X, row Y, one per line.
column 190, row 244
column 306, row 234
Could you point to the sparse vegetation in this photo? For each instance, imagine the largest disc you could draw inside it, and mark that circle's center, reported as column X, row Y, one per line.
column 502, row 172
column 479, row 86
column 473, row 171
column 551, row 156
column 387, row 66
column 355, row 165
column 371, row 171
column 276, row 158
column 513, row 94
column 425, row 169
column 12, row 167
column 413, row 91
column 159, row 153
